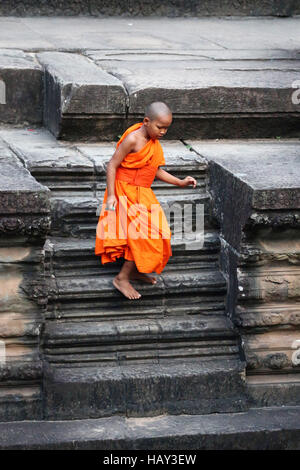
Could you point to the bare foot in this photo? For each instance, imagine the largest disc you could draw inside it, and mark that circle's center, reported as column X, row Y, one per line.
column 143, row 277
column 124, row 286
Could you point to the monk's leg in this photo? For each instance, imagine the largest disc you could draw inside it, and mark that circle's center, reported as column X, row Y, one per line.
column 135, row 274
column 121, row 281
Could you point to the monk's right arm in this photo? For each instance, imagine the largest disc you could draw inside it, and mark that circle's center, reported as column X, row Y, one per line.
column 124, row 148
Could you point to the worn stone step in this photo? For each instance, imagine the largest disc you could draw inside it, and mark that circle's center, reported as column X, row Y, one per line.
column 149, row 307
column 220, row 99
column 62, row 72
column 274, row 428
column 70, row 256
column 189, row 387
column 262, row 248
column 78, row 216
column 176, row 291
column 206, row 8
column 22, row 401
column 157, row 341
column 274, row 389
column 79, row 168
column 100, row 286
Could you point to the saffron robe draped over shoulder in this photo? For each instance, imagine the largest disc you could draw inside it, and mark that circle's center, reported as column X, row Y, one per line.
column 141, row 231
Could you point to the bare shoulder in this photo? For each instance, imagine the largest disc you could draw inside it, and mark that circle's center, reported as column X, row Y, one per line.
column 129, row 142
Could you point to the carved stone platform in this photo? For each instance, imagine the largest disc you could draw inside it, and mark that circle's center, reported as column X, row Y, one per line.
column 260, row 232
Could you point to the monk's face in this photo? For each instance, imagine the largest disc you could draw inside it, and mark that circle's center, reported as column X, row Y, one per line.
column 158, row 127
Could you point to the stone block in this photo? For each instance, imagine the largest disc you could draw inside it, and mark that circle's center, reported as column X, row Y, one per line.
column 77, row 91
column 145, row 390
column 256, row 197
column 21, row 88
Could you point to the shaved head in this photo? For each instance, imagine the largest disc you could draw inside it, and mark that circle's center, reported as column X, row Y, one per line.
column 157, row 109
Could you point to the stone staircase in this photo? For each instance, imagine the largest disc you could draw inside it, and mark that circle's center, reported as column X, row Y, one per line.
column 101, row 371
column 174, row 350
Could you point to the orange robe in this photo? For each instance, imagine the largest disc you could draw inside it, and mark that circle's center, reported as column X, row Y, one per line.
column 138, row 229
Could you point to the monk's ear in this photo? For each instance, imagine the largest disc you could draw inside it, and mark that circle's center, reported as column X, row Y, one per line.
column 146, row 120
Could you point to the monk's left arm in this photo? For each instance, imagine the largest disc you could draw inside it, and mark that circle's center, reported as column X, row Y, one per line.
column 167, row 177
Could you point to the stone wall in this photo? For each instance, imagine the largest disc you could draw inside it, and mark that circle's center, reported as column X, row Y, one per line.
column 24, row 222
column 256, row 196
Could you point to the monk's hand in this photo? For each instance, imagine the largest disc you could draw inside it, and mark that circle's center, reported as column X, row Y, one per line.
column 111, row 203
column 189, row 180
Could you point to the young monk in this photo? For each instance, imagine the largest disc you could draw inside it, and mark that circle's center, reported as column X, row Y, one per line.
column 130, row 173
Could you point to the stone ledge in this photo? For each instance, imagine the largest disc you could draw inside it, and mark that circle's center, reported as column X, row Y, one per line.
column 75, row 87
column 23, row 79
column 189, row 386
column 254, row 177
column 24, row 203
column 96, row 99
column 274, row 428
column 255, row 188
column 155, row 8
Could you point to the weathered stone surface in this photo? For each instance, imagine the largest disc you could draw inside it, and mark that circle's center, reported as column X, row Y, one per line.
column 205, row 87
column 210, row 56
column 147, row 390
column 272, row 351
column 260, row 253
column 192, row 34
column 143, row 341
column 19, row 192
column 193, row 281
column 24, row 223
column 24, row 203
column 274, row 428
column 20, row 403
column 21, row 88
column 261, row 176
column 156, row 8
column 21, row 292
column 223, row 91
column 74, row 86
column 274, row 390
column 68, row 255
column 117, row 91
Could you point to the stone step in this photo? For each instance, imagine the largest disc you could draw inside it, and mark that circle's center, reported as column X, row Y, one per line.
column 77, row 216
column 100, row 285
column 189, row 387
column 274, row 389
column 230, row 99
column 76, row 175
column 79, row 169
column 21, row 401
column 274, row 428
column 177, row 291
column 139, row 341
column 70, row 256
column 238, row 95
